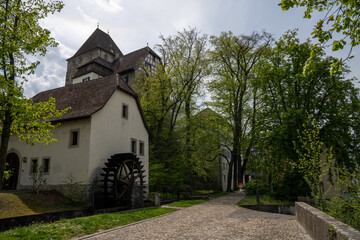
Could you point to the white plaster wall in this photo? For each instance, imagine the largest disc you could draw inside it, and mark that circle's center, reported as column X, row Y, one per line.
column 63, row 159
column 92, row 76
column 111, row 133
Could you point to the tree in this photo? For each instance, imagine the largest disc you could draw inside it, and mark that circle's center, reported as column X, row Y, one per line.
column 341, row 16
column 210, row 131
column 314, row 160
column 20, row 36
column 234, row 91
column 185, row 55
column 168, row 94
column 291, row 98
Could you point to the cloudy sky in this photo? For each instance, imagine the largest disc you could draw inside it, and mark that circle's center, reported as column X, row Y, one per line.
column 134, row 23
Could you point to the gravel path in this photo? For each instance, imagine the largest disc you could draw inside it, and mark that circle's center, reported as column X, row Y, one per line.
column 216, row 219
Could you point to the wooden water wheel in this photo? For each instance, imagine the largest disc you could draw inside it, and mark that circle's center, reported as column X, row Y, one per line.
column 122, row 172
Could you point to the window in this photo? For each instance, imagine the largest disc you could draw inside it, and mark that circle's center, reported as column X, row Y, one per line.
column 89, row 56
column 126, row 78
column 46, row 165
column 86, row 79
column 141, row 148
column 74, row 138
column 154, row 58
column 125, row 111
column 133, row 146
column 34, row 165
column 148, row 65
column 106, row 58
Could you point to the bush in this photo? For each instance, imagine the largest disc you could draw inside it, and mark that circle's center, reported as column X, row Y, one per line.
column 250, row 187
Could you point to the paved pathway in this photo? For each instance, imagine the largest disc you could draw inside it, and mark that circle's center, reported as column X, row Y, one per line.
column 216, row 219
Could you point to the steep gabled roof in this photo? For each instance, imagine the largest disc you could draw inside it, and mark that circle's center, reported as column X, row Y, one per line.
column 132, row 60
column 85, row 98
column 99, row 39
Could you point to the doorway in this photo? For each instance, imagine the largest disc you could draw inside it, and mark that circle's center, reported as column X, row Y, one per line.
column 13, row 164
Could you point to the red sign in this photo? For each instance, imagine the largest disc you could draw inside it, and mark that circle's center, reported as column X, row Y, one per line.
column 241, row 186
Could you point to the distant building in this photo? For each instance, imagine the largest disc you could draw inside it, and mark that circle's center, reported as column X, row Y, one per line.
column 99, row 57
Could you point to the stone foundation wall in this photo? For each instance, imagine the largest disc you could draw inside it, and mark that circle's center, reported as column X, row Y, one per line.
column 320, row 225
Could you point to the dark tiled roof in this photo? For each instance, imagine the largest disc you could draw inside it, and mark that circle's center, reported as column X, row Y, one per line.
column 85, row 98
column 93, row 66
column 99, row 39
column 133, row 59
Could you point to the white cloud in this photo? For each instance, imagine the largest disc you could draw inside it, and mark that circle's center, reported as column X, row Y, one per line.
column 86, row 17
column 49, row 74
column 111, row 6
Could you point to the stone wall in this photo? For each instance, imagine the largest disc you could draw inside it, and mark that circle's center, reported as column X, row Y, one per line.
column 320, row 225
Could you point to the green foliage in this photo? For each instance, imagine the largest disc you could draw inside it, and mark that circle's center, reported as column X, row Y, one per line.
column 290, row 184
column 22, row 36
column 38, row 179
column 314, row 161
column 345, row 204
column 168, row 97
column 70, row 228
column 339, row 17
column 263, row 187
column 290, row 98
column 332, row 233
column 236, row 61
column 186, row 203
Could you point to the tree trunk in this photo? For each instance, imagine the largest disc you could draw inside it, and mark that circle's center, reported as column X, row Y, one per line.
column 5, row 136
column 230, row 173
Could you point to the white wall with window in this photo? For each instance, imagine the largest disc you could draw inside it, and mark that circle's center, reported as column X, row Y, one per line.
column 58, row 159
column 111, row 133
column 87, row 77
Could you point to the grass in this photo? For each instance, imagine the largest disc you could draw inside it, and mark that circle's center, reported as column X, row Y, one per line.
column 70, row 228
column 189, row 203
column 264, row 200
column 186, row 203
column 27, row 203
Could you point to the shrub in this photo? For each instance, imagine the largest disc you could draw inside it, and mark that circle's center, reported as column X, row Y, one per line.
column 250, row 187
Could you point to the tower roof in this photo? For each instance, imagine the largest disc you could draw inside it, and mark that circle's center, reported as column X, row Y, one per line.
column 99, row 39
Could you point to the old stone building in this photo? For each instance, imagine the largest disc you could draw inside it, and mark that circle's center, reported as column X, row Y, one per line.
column 103, row 139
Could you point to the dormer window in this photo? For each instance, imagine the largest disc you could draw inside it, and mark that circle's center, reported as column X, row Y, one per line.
column 126, row 78
column 86, row 79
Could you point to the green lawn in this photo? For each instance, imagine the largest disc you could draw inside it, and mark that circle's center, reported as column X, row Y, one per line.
column 264, row 199
column 186, row 203
column 27, row 203
column 70, row 228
